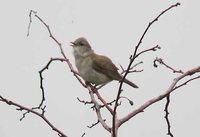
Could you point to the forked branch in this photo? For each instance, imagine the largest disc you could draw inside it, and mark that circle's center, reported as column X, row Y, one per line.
column 41, row 115
column 172, row 87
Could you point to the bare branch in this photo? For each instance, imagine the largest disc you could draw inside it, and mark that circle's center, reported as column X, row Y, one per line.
column 104, row 102
column 94, row 90
column 197, row 77
column 167, row 66
column 132, row 58
column 60, row 46
column 95, row 124
column 165, row 94
column 83, row 135
column 51, row 60
column 41, row 79
column 24, row 114
column 167, row 116
column 84, row 102
column 42, row 88
column 30, row 21
column 109, row 103
column 150, row 49
column 131, row 68
column 97, row 107
column 33, row 112
column 130, row 101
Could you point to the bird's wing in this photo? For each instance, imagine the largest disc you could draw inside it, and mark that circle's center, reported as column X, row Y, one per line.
column 104, row 65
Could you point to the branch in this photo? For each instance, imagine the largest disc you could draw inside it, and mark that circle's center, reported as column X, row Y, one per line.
column 83, row 135
column 41, row 115
column 109, row 103
column 167, row 116
column 41, row 87
column 95, row 124
column 159, row 60
column 132, row 58
column 104, row 102
column 84, row 102
column 131, row 69
column 41, row 79
column 147, row 50
column 130, row 101
column 186, row 82
column 94, row 90
column 30, row 21
column 97, row 107
column 58, row 43
column 165, row 94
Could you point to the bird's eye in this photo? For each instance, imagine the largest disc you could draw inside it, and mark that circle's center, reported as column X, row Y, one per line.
column 81, row 44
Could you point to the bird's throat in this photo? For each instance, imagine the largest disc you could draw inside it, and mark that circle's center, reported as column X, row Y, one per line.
column 81, row 52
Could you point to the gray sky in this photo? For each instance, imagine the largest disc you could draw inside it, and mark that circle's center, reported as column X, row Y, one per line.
column 113, row 28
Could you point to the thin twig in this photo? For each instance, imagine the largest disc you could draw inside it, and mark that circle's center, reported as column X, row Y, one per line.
column 167, row 66
column 167, row 116
column 150, row 49
column 197, row 77
column 30, row 21
column 130, row 101
column 109, row 103
column 41, row 78
column 83, row 135
column 131, row 69
column 95, row 124
column 84, row 102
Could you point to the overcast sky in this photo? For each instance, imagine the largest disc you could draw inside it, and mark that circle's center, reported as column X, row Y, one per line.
column 113, row 27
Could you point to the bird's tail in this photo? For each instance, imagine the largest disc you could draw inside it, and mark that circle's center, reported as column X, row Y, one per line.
column 130, row 83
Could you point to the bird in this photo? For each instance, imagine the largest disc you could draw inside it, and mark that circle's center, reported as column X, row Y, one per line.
column 94, row 68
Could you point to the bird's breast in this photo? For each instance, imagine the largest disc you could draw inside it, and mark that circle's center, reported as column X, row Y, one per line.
column 88, row 73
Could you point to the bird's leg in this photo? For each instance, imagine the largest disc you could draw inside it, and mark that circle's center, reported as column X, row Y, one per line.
column 100, row 86
column 88, row 84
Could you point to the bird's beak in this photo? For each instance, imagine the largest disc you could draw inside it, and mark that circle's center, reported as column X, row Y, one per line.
column 73, row 44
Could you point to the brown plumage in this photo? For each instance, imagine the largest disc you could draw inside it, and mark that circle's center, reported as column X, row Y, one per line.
column 95, row 68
